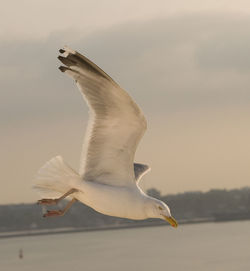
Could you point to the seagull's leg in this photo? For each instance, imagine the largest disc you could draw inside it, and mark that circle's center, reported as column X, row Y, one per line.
column 60, row 212
column 55, row 201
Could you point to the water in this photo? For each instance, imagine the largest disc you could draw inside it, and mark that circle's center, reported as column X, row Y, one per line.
column 203, row 247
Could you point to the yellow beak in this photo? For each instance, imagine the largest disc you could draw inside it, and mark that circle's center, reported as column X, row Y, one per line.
column 171, row 221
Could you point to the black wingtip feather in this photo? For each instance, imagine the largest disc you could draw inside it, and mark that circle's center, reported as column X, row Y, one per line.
column 63, row 68
column 66, row 61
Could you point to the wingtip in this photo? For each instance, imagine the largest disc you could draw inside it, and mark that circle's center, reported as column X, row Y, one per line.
column 67, row 61
column 68, row 50
column 62, row 68
column 65, row 51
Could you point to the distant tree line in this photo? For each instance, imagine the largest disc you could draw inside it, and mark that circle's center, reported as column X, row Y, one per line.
column 198, row 204
column 184, row 206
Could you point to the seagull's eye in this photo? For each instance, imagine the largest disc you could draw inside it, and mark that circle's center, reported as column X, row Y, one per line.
column 160, row 207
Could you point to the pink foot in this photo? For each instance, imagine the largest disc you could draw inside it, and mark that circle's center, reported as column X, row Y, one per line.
column 53, row 213
column 47, row 201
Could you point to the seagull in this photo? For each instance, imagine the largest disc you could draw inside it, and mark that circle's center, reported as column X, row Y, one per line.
column 108, row 179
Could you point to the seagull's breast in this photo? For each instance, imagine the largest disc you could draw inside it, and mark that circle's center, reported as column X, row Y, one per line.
column 126, row 202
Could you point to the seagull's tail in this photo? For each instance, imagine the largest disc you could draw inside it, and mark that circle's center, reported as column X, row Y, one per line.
column 56, row 178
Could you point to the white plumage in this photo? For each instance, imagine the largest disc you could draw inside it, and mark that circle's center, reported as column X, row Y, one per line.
column 108, row 177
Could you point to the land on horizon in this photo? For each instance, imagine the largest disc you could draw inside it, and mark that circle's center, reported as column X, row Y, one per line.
column 188, row 207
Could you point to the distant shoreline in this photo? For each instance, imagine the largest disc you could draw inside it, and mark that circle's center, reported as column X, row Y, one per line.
column 13, row 234
column 216, row 205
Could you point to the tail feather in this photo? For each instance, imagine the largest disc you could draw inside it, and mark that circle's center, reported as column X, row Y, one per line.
column 55, row 178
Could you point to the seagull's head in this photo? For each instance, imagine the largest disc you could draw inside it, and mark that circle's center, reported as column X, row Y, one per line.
column 158, row 209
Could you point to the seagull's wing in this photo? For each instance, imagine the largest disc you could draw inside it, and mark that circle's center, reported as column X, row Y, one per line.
column 115, row 127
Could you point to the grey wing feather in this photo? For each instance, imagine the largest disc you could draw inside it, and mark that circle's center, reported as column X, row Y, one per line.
column 140, row 170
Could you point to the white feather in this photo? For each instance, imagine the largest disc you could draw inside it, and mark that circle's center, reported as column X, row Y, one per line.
column 55, row 178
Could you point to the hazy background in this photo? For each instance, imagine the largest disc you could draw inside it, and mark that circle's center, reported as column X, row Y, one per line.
column 186, row 63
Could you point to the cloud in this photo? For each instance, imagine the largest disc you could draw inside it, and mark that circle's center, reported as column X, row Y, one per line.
column 227, row 47
column 191, row 61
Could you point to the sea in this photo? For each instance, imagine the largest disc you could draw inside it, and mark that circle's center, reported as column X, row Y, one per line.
column 223, row 246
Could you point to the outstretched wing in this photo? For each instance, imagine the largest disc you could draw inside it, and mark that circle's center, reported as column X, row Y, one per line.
column 115, row 127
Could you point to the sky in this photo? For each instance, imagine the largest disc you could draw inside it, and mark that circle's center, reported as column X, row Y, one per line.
column 185, row 63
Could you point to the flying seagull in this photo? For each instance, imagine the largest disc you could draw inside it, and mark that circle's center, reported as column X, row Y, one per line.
column 108, row 178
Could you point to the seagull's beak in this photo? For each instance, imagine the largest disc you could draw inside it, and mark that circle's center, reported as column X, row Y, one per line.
column 171, row 221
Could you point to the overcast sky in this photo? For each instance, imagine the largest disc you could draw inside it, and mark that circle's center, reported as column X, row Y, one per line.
column 186, row 64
